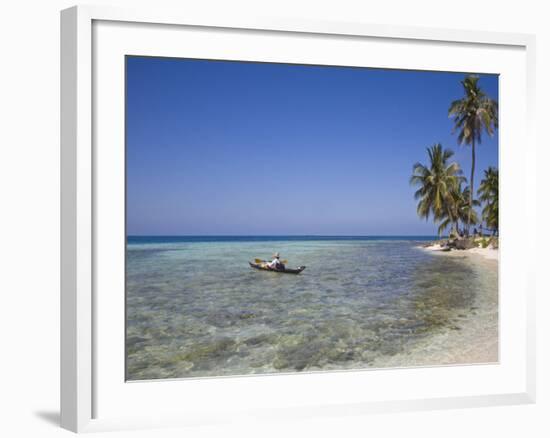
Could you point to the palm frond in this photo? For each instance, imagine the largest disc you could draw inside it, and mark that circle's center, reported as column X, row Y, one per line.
column 472, row 115
column 435, row 181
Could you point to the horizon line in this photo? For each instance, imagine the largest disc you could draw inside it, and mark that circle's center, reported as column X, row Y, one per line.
column 281, row 235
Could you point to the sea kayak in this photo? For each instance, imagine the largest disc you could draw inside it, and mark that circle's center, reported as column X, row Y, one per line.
column 281, row 271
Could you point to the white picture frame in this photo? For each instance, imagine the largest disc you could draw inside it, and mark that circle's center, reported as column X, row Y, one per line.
column 83, row 371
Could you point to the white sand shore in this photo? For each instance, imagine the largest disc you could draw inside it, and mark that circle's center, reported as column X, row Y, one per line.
column 488, row 253
column 472, row 342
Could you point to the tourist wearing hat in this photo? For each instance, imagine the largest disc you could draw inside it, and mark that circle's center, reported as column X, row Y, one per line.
column 276, row 262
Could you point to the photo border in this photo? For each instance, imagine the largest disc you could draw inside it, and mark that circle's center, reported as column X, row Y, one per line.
column 77, row 195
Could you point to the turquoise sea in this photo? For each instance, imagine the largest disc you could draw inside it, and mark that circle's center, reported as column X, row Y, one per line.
column 195, row 308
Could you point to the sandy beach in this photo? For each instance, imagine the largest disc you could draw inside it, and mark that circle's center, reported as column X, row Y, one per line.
column 488, row 253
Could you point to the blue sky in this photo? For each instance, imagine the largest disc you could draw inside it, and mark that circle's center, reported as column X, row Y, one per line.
column 260, row 149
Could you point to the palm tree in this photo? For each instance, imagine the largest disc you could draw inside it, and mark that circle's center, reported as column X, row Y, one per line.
column 473, row 114
column 467, row 214
column 436, row 183
column 459, row 209
column 488, row 193
column 448, row 219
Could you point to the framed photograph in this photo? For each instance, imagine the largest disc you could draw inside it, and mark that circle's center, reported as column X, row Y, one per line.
column 282, row 219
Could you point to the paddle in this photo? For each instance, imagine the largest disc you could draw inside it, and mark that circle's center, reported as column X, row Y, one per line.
column 284, row 262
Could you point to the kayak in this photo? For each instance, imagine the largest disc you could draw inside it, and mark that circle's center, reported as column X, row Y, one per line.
column 280, row 271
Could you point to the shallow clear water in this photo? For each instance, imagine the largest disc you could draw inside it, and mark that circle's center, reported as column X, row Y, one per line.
column 195, row 308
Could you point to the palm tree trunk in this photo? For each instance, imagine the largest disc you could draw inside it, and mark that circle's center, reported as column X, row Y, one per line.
column 471, row 186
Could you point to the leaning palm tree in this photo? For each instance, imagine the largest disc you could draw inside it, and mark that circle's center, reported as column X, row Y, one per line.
column 436, row 182
column 449, row 219
column 459, row 209
column 488, row 193
column 467, row 213
column 474, row 113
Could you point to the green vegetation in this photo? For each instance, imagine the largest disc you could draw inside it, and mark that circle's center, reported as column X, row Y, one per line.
column 441, row 190
column 473, row 114
column 484, row 243
column 459, row 205
column 438, row 186
column 488, row 193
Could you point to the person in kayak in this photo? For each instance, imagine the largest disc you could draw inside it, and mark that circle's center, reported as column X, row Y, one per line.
column 276, row 262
